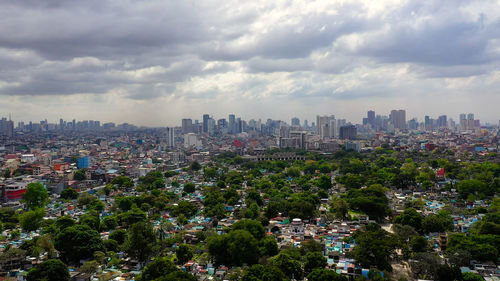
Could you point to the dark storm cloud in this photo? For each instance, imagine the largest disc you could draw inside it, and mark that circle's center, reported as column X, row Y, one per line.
column 153, row 49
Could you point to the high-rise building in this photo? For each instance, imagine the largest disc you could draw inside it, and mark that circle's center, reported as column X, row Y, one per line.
column 348, row 132
column 442, row 121
column 187, row 126
column 170, row 137
column 232, row 124
column 205, row 122
column 326, row 126
column 398, row 119
column 295, row 121
column 371, row 118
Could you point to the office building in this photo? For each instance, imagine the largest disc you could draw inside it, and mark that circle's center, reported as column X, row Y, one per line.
column 295, row 121
column 398, row 119
column 170, row 137
column 187, row 126
column 371, row 118
column 348, row 132
column 206, row 117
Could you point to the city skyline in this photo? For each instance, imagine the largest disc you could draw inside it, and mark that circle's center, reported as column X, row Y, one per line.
column 151, row 63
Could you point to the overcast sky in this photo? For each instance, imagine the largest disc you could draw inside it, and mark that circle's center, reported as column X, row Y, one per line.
column 155, row 62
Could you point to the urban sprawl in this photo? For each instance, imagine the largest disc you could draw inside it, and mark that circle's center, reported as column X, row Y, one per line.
column 230, row 199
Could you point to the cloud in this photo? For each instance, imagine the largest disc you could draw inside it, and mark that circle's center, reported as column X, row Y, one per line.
column 224, row 56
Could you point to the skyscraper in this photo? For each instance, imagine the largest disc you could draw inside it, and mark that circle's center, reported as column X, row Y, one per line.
column 442, row 121
column 295, row 121
column 170, row 137
column 371, row 118
column 205, row 122
column 187, row 126
column 231, row 125
column 348, row 132
column 398, row 119
column 326, row 126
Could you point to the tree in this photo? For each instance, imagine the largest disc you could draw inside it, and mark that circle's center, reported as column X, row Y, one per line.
column 156, row 269
column 36, row 196
column 419, row 244
column 31, row 220
column 78, row 242
column 440, row 222
column 321, row 274
column 254, row 227
column 64, row 221
column 258, row 272
column 69, row 194
column 195, row 166
column 186, row 208
column 310, row 245
column 79, row 175
column 140, row 241
column 183, row 253
column 290, row 266
column 375, row 247
column 314, row 260
column 446, row 272
column 409, row 217
column 49, row 270
column 119, row 235
column 469, row 276
column 123, row 181
column 371, row 201
column 189, row 187
column 340, row 208
column 242, row 247
column 89, row 266
column 91, row 220
column 324, row 182
column 177, row 275
column 268, row 246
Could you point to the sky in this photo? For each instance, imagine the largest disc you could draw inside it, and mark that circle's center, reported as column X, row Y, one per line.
column 155, row 62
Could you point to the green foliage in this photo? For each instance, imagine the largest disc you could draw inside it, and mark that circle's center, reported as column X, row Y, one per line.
column 319, row 274
column 310, row 245
column 156, row 269
column 290, row 265
column 152, row 180
column 314, row 260
column 258, row 272
column 195, row 166
column 36, row 196
column 79, row 175
column 31, row 220
column 183, row 253
column 69, row 194
column 119, row 235
column 371, row 201
column 254, row 227
column 64, row 221
column 324, row 182
column 140, row 241
column 78, row 242
column 480, row 247
column 49, row 270
column 91, row 220
column 474, row 186
column 189, row 187
column 89, row 267
column 133, row 216
column 470, row 276
column 186, row 208
column 123, row 182
column 409, row 217
column 339, row 208
column 440, row 222
column 235, row 248
column 374, row 247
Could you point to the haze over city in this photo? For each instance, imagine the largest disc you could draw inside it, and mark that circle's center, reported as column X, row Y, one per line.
column 154, row 62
